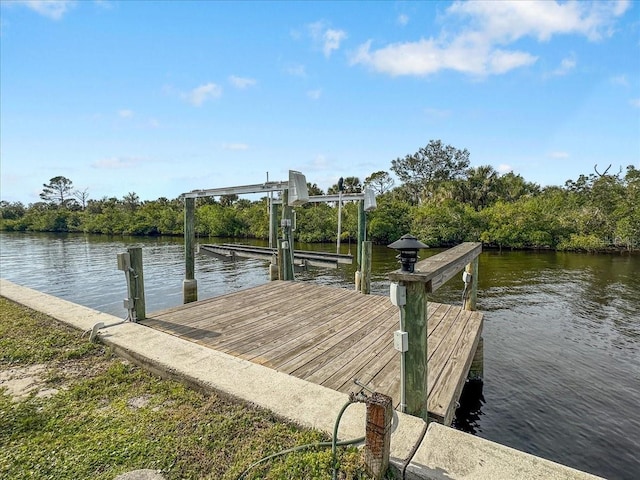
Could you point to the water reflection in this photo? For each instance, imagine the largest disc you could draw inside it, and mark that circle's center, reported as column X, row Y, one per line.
column 469, row 413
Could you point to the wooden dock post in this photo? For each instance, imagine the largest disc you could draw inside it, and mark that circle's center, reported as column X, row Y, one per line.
column 471, row 299
column 378, row 434
column 365, row 267
column 273, row 225
column 190, row 284
column 361, row 238
column 476, row 371
column 273, row 240
column 428, row 276
column 415, row 324
column 285, row 244
column 136, row 282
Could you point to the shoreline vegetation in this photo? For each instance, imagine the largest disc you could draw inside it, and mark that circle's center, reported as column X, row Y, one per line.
column 72, row 409
column 441, row 200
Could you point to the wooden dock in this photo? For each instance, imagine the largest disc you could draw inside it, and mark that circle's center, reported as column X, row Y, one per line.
column 330, row 336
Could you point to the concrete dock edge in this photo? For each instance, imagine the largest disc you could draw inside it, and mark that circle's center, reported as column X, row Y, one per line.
column 444, row 453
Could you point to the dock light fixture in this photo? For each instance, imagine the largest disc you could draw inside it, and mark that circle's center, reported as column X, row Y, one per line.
column 408, row 246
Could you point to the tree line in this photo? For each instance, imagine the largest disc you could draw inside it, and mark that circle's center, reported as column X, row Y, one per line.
column 440, row 199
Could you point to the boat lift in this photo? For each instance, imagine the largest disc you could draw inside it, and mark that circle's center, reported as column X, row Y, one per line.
column 294, row 192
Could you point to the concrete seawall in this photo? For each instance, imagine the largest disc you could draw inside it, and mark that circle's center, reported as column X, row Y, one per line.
column 443, row 453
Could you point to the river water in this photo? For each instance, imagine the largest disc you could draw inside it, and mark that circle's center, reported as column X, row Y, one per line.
column 561, row 332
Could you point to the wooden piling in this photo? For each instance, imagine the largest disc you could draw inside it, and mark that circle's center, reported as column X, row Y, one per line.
column 273, row 268
column 415, row 324
column 273, row 240
column 189, row 285
column 285, row 259
column 378, row 434
column 365, row 277
column 273, row 225
column 136, row 282
column 360, row 239
column 476, row 371
column 472, row 297
column 361, row 230
column 428, row 276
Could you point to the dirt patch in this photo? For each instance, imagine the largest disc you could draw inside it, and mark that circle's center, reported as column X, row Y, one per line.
column 46, row 380
column 21, row 382
column 139, row 402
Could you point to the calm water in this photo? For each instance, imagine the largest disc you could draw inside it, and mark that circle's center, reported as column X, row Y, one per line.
column 561, row 334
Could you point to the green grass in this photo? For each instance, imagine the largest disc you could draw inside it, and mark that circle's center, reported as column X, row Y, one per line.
column 109, row 417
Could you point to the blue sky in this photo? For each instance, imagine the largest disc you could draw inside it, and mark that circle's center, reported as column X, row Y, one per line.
column 160, row 98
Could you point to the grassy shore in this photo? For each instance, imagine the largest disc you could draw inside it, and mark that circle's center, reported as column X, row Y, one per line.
column 70, row 409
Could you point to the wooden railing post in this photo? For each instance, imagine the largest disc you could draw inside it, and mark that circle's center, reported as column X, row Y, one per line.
column 428, row 276
column 415, row 324
column 476, row 371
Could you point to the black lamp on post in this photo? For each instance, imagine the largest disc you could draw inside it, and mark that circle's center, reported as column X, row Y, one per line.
column 408, row 246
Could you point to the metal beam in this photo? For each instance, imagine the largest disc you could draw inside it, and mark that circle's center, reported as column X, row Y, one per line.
column 257, row 188
column 330, row 198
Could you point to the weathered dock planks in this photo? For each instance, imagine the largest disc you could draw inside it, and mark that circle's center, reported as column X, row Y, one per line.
column 329, row 336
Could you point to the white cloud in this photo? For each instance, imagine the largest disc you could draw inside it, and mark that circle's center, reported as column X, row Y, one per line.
column 482, row 46
column 501, row 61
column 509, row 21
column 328, row 39
column 125, row 113
column 241, row 82
column 635, row 102
column 314, row 94
column 621, row 80
column 54, row 9
column 621, row 7
column 426, row 57
column 116, row 162
column 566, row 65
column 559, row 155
column 201, row 94
column 402, row 19
column 296, row 70
column 504, row 168
column 332, row 39
column 235, row 146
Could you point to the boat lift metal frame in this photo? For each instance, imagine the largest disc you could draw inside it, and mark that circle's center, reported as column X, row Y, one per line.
column 190, row 284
